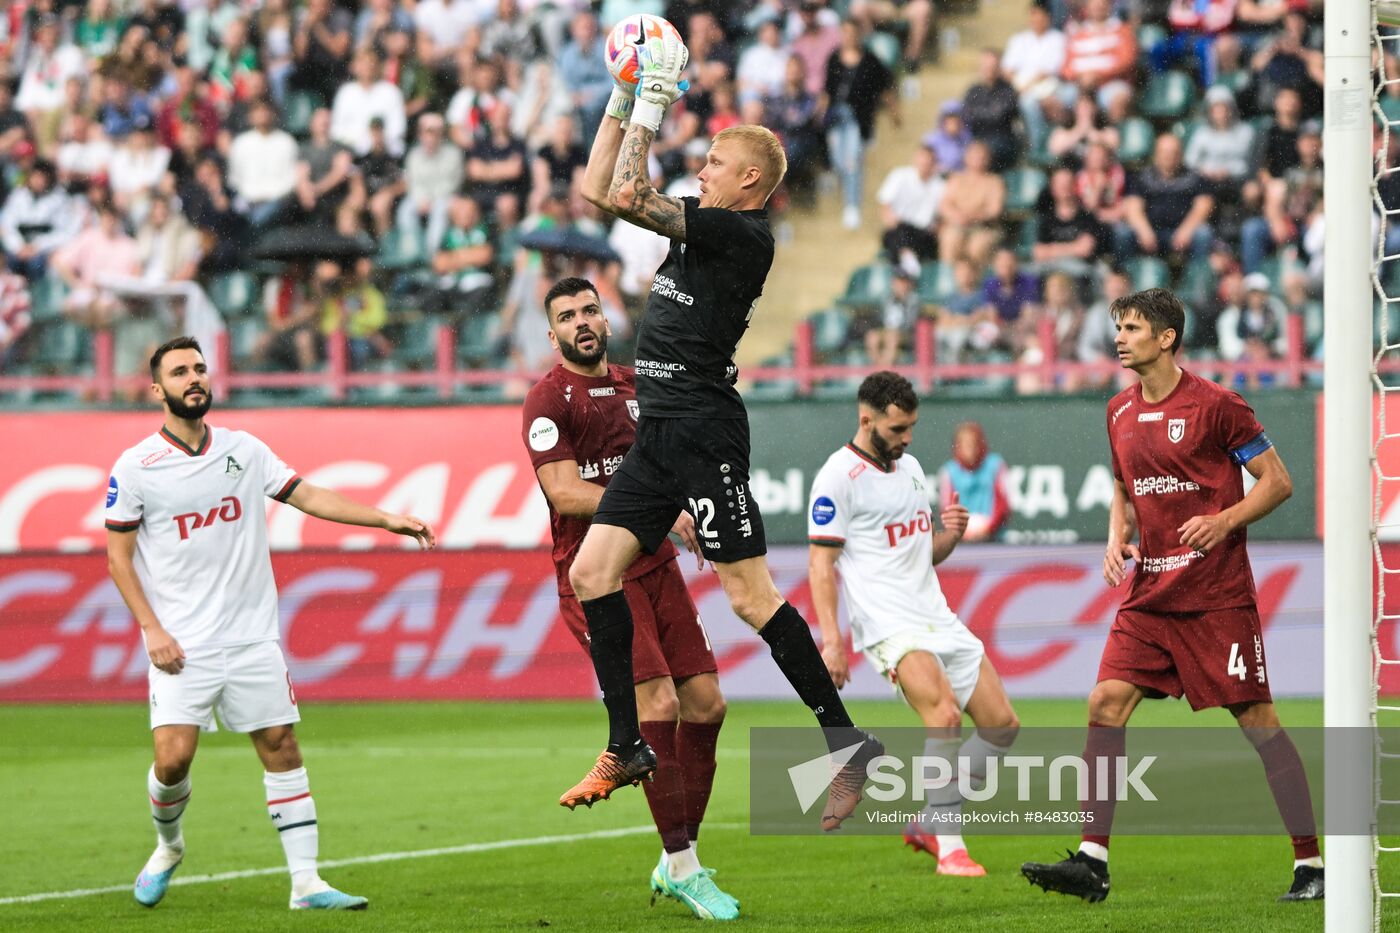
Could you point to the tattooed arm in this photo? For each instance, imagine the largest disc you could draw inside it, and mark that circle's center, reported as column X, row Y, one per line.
column 632, row 196
column 597, row 176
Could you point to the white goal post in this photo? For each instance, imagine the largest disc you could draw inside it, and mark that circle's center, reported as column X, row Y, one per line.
column 1351, row 261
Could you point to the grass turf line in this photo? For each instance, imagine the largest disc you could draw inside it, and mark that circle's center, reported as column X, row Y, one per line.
column 406, row 777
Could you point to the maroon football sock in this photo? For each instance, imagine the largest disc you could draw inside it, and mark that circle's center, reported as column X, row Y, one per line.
column 695, row 747
column 1110, row 743
column 665, row 792
column 1289, row 782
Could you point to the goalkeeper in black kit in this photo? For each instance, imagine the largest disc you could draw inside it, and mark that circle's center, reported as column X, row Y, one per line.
column 692, row 447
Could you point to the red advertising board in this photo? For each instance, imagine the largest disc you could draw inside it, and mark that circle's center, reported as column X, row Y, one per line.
column 463, row 470
column 485, row 624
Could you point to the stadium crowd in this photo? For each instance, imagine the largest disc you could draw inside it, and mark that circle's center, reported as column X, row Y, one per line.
column 1110, row 147
column 285, row 172
column 291, row 172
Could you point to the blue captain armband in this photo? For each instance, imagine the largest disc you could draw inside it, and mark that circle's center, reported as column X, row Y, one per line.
column 1248, row 451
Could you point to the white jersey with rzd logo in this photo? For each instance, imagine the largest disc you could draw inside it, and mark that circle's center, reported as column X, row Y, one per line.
column 883, row 523
column 201, row 533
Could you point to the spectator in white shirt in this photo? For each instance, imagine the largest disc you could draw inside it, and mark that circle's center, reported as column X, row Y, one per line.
column 433, row 171
column 47, row 68
column 85, row 154
column 442, row 25
column 262, row 166
column 361, row 100
column 1032, row 63
column 909, row 200
column 138, row 166
column 763, row 66
column 36, row 219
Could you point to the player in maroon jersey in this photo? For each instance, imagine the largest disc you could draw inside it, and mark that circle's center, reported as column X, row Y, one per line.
column 578, row 423
column 1189, row 625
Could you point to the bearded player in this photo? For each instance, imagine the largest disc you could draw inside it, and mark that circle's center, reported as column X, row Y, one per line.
column 692, row 447
column 1189, row 624
column 870, row 521
column 578, row 423
column 187, row 548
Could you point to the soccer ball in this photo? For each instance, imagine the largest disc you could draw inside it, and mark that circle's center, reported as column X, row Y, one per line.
column 630, row 32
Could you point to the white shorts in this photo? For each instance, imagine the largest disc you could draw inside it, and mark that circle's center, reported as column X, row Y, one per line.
column 248, row 686
column 956, row 648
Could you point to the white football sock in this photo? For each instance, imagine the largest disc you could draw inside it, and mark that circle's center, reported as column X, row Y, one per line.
column 943, row 805
column 682, row 864
column 978, row 752
column 1314, row 862
column 1094, row 850
column 168, row 804
column 293, row 813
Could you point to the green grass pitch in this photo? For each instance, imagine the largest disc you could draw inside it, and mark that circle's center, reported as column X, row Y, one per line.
column 410, row 777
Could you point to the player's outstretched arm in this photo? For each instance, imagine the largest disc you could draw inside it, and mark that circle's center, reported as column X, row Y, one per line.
column 1272, row 488
column 602, row 159
column 165, row 652
column 632, row 196
column 334, row 507
column 1122, row 527
column 821, row 576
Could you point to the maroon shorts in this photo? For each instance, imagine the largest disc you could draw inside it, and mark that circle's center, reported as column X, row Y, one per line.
column 668, row 639
column 1215, row 658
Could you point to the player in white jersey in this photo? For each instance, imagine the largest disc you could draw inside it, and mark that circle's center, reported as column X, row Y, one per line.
column 187, row 548
column 870, row 521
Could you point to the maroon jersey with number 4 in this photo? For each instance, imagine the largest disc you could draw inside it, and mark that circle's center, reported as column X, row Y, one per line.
column 592, row 421
column 1178, row 458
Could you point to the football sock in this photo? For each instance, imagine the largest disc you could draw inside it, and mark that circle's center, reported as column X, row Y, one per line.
column 796, row 654
column 1102, row 750
column 681, row 865
column 943, row 805
column 293, row 812
column 1314, row 862
column 168, row 804
column 979, row 752
column 610, row 646
column 665, row 791
column 1095, row 850
column 695, row 750
column 1289, row 783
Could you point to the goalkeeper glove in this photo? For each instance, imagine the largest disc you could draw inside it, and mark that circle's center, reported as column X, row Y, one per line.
column 620, row 101
column 661, row 62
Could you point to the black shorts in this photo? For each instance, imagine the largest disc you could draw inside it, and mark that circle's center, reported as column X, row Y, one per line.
column 699, row 465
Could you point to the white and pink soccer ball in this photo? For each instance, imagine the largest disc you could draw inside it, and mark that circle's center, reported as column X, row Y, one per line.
column 631, row 32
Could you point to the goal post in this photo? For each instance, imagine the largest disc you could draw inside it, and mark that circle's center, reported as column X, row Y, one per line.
column 1351, row 260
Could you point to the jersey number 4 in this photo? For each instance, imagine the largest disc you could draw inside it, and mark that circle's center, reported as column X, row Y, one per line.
column 1236, row 663
column 704, row 512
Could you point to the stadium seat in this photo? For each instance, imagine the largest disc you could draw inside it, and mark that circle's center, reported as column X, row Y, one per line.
column 60, row 346
column 1023, row 188
column 233, row 293
column 886, row 48
column 936, row 283
column 867, row 287
column 414, row 340
column 476, row 340
column 830, row 329
column 46, row 298
column 243, row 334
column 1169, row 96
column 1148, row 272
column 401, row 248
column 297, row 115
column 774, row 389
column 1148, row 35
column 1029, row 234
column 1136, row 137
column 1198, row 283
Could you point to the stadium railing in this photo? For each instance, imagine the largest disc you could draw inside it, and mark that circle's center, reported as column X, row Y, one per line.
column 805, row 375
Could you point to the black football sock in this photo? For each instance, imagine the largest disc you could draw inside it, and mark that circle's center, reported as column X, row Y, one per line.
column 610, row 646
column 797, row 657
